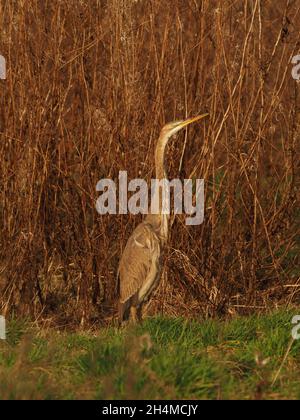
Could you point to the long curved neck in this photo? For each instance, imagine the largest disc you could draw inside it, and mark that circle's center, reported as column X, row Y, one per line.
column 160, row 221
column 160, row 156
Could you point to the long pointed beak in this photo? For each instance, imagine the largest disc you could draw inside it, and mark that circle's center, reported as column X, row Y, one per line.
column 192, row 120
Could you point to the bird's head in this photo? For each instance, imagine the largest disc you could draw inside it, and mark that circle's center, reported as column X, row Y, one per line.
column 172, row 128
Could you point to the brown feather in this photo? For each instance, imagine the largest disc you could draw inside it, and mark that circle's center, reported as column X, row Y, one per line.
column 136, row 261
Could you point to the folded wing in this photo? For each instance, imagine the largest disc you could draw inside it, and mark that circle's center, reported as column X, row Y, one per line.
column 139, row 268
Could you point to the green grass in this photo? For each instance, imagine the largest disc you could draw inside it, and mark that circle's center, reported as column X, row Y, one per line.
column 160, row 359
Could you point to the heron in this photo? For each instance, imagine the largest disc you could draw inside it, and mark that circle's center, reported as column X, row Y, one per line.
column 141, row 262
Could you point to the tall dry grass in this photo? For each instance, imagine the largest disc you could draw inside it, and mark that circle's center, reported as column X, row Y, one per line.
column 89, row 85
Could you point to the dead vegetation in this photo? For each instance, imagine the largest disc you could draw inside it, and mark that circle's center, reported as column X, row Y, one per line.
column 89, row 84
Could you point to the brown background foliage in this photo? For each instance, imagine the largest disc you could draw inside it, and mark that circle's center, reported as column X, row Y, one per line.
column 89, row 85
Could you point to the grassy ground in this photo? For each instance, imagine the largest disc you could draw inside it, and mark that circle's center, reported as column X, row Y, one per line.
column 162, row 358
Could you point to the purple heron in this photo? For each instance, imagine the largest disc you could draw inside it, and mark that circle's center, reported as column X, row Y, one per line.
column 141, row 263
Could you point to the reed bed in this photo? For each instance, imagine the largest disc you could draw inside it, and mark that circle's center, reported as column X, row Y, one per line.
column 89, row 85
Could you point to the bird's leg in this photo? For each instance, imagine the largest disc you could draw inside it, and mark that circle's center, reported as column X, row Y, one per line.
column 133, row 314
column 139, row 313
